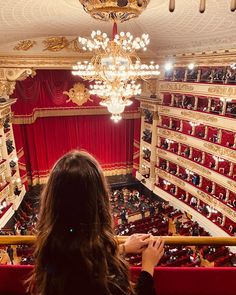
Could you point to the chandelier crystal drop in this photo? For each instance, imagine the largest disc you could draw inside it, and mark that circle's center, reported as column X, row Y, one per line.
column 115, row 67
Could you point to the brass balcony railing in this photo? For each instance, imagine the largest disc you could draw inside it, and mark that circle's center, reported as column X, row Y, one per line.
column 169, row 240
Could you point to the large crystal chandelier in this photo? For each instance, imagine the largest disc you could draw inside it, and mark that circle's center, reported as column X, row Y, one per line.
column 115, row 67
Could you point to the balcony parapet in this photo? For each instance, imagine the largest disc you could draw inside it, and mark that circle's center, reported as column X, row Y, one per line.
column 197, row 168
column 203, row 145
column 217, row 121
column 198, row 193
column 198, row 89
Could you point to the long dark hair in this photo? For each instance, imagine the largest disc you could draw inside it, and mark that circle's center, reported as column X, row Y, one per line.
column 75, row 247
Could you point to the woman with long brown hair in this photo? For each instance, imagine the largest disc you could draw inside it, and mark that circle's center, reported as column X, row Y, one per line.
column 76, row 252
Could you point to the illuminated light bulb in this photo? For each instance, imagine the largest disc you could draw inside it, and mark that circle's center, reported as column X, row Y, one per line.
column 191, row 66
column 168, row 66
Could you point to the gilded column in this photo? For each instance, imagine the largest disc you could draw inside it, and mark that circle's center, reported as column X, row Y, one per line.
column 172, row 100
column 217, row 163
column 231, row 169
column 209, row 105
column 183, row 98
column 179, row 148
column 203, row 157
column 227, row 195
column 234, row 145
column 177, row 170
column 181, row 126
column 206, row 132
column 224, row 107
column 191, row 153
column 176, row 190
column 193, row 129
column 187, row 197
column 200, row 181
column 219, row 136
column 167, row 165
column 213, row 188
column 153, row 147
column 195, row 103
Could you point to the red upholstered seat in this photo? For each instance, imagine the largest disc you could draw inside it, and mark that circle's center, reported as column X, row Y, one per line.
column 168, row 281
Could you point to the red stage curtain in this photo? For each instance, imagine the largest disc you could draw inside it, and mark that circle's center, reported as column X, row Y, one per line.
column 40, row 143
column 49, row 138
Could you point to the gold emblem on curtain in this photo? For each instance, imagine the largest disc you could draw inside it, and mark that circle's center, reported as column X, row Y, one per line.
column 79, row 94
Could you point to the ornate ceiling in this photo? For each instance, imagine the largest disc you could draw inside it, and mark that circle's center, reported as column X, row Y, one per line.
column 184, row 31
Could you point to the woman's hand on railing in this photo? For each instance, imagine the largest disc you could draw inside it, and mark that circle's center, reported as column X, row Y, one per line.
column 152, row 255
column 136, row 243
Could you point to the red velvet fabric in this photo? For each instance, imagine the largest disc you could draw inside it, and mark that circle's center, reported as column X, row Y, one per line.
column 41, row 143
column 168, row 280
column 49, row 138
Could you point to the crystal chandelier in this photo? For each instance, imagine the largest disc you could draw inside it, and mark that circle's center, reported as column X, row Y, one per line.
column 115, row 67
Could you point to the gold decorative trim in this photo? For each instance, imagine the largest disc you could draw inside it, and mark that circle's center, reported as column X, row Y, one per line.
column 171, row 134
column 170, row 177
column 109, row 10
column 197, row 89
column 78, row 94
column 232, row 183
column 55, row 44
column 224, row 209
column 136, row 144
column 62, row 112
column 24, row 45
column 219, row 150
column 199, row 116
column 161, row 152
column 194, row 166
column 163, row 109
column 176, row 87
column 147, row 106
column 222, row 90
column 6, row 112
column 107, row 172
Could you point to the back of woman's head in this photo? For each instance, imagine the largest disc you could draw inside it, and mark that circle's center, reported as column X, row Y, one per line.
column 75, row 194
column 75, row 242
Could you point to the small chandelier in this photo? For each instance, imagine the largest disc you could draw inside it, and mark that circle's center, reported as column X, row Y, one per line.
column 115, row 67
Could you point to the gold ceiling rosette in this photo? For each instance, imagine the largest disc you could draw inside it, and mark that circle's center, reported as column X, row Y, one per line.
column 118, row 10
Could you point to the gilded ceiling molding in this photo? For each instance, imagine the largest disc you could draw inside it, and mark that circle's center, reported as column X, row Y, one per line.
column 220, row 151
column 55, row 44
column 198, row 116
column 50, row 61
column 78, row 94
column 24, row 45
column 111, row 10
column 62, row 112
